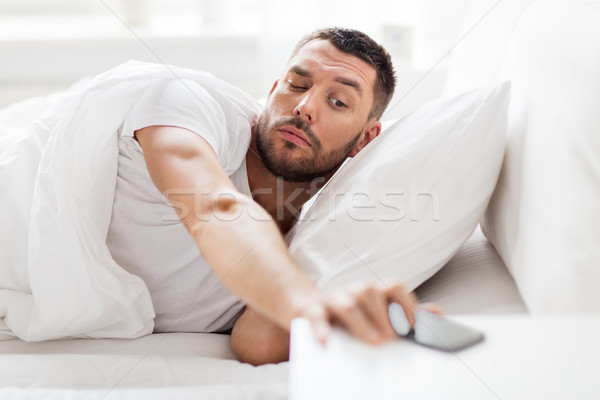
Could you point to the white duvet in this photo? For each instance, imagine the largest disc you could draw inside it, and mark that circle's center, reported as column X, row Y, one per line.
column 58, row 164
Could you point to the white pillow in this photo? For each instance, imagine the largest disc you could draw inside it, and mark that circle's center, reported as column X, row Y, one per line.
column 543, row 218
column 405, row 204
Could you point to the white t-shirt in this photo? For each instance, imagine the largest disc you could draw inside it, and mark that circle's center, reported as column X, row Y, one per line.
column 145, row 235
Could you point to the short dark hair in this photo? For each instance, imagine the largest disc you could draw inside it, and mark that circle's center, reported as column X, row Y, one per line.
column 363, row 47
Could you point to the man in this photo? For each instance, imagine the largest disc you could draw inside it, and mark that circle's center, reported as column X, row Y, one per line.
column 323, row 109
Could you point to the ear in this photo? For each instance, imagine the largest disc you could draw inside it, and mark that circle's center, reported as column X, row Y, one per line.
column 372, row 130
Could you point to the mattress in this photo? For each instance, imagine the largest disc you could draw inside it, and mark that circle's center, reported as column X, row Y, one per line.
column 474, row 281
column 181, row 364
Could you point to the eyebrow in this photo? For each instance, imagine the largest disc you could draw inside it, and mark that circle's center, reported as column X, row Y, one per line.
column 349, row 82
column 298, row 70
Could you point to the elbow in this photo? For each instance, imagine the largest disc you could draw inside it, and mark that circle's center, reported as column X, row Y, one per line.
column 258, row 341
column 260, row 353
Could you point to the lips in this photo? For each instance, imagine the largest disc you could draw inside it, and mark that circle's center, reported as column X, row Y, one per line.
column 295, row 136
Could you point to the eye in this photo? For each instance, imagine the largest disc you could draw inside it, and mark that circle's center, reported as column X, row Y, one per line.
column 337, row 103
column 296, row 87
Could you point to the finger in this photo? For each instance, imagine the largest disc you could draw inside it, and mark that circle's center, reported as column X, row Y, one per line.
column 321, row 329
column 345, row 308
column 318, row 319
column 397, row 293
column 374, row 302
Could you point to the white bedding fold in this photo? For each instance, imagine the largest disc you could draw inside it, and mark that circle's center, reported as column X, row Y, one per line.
column 57, row 182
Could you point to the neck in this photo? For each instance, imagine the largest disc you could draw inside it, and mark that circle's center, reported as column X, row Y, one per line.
column 283, row 200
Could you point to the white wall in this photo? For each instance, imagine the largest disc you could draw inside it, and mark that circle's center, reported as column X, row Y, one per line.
column 45, row 46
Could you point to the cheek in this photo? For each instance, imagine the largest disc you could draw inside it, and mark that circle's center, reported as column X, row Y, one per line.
column 339, row 131
column 341, row 135
column 283, row 102
column 278, row 100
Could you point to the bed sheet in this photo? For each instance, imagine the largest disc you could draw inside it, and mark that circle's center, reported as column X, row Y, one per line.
column 175, row 365
column 474, row 281
column 178, row 393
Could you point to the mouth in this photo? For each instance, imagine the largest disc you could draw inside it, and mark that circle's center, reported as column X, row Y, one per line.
column 295, row 136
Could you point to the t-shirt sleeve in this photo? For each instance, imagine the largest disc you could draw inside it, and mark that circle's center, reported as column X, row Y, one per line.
column 186, row 104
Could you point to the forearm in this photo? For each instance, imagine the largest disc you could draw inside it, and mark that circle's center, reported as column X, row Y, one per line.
column 245, row 250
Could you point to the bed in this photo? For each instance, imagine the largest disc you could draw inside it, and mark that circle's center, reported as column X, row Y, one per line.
column 200, row 365
column 470, row 277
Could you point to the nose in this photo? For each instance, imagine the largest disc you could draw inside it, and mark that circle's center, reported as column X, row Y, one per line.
column 305, row 108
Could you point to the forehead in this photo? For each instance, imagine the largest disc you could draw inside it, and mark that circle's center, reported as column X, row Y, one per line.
column 322, row 57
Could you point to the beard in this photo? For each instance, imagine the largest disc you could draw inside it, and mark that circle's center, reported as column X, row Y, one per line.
column 303, row 168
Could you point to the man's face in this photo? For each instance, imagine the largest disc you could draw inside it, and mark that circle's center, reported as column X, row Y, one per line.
column 317, row 113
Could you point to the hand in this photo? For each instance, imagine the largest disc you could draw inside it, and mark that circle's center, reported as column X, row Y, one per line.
column 363, row 310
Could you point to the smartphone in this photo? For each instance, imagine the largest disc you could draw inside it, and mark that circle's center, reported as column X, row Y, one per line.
column 433, row 330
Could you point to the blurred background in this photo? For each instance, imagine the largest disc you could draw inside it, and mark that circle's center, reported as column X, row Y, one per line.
column 45, row 45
